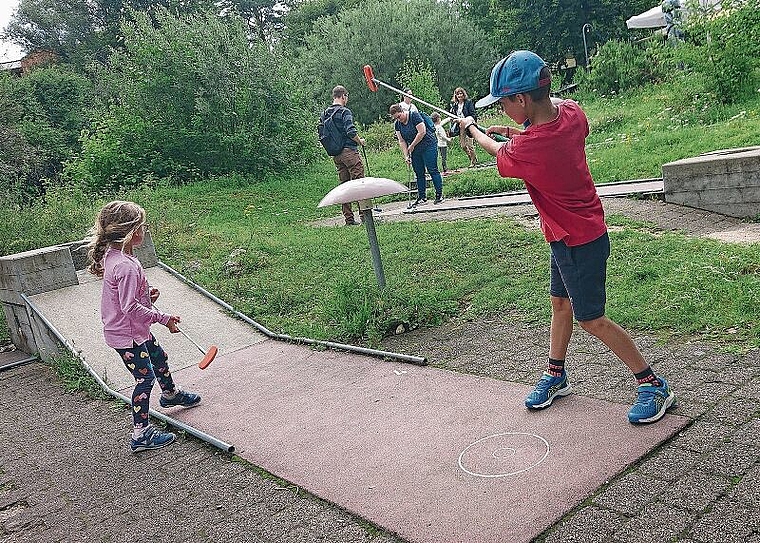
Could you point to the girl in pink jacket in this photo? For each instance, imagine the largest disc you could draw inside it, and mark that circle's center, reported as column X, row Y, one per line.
column 127, row 312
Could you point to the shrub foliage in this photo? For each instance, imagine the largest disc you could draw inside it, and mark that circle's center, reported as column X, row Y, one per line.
column 189, row 97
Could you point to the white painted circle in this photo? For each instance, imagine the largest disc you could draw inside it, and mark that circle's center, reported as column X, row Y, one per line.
column 503, row 454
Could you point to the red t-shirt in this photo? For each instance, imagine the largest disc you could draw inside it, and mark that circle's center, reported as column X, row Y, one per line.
column 551, row 159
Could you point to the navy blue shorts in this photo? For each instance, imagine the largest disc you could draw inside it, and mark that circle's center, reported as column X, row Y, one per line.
column 580, row 273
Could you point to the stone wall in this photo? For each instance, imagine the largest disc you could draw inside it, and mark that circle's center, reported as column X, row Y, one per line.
column 725, row 182
column 42, row 270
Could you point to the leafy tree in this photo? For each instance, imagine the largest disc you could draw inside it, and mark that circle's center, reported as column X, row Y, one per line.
column 552, row 28
column 263, row 17
column 384, row 33
column 81, row 30
column 41, row 117
column 417, row 75
column 299, row 21
column 189, row 97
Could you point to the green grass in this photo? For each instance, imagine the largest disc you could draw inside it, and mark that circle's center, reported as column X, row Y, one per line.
column 251, row 241
column 75, row 377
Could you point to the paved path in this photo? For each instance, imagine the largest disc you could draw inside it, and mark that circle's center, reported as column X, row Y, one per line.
column 66, row 475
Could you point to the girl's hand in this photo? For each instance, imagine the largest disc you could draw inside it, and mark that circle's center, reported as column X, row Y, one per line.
column 172, row 324
column 154, row 294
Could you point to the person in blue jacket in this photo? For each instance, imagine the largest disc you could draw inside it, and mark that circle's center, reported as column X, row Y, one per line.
column 420, row 149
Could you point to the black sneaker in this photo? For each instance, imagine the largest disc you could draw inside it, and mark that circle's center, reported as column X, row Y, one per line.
column 152, row 438
column 420, row 202
column 182, row 398
column 438, row 199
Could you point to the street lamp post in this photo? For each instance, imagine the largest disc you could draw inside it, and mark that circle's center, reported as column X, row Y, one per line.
column 585, row 30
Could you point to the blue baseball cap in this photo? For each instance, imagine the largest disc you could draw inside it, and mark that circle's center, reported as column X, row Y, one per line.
column 516, row 73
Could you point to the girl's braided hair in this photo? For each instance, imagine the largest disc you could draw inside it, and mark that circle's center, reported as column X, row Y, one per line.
column 116, row 223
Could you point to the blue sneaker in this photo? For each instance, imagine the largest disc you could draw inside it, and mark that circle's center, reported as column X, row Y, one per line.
column 185, row 399
column 152, row 438
column 547, row 388
column 652, row 403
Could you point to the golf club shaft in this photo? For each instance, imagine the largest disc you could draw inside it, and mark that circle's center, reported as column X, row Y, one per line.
column 181, row 331
column 365, row 160
column 201, row 349
column 421, row 101
column 497, row 137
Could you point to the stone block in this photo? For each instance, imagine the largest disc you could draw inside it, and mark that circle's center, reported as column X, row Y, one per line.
column 19, row 328
column 725, row 182
column 33, row 272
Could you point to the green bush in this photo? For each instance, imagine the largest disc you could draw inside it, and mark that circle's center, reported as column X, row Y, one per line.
column 190, row 97
column 725, row 47
column 41, row 117
column 379, row 135
column 619, row 66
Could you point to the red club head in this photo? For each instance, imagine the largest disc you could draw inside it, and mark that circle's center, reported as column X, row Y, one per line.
column 370, row 77
column 210, row 355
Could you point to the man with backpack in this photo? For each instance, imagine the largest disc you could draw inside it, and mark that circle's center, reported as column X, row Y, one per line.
column 341, row 140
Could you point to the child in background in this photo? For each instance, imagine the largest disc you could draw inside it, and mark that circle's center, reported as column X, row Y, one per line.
column 127, row 312
column 443, row 140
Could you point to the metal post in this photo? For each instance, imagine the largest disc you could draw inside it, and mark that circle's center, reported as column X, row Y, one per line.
column 585, row 30
column 365, row 207
column 374, row 248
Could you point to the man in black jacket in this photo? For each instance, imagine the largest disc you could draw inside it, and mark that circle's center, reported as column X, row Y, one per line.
column 348, row 162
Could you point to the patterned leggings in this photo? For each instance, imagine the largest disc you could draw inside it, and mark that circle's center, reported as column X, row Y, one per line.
column 146, row 362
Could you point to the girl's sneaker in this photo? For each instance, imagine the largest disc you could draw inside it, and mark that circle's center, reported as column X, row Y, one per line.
column 548, row 388
column 182, row 398
column 151, row 438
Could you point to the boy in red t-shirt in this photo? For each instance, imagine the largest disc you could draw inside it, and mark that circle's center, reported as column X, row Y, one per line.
column 549, row 156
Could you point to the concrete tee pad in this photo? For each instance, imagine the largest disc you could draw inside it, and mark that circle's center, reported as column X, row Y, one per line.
column 432, row 455
column 75, row 312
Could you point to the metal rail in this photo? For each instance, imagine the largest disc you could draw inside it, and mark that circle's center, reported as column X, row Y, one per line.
column 18, row 363
column 417, row 360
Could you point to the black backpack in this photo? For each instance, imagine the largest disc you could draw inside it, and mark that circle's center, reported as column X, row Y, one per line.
column 331, row 138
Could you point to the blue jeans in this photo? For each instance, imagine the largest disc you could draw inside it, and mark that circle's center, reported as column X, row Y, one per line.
column 422, row 159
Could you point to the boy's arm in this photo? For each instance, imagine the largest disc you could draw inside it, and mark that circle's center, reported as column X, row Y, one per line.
column 491, row 146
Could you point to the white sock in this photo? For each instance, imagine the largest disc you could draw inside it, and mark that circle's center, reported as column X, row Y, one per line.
column 138, row 432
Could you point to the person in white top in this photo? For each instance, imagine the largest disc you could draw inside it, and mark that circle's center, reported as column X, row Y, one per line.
column 406, row 102
column 443, row 140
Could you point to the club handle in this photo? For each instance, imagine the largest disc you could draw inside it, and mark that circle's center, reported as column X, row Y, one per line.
column 496, row 137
